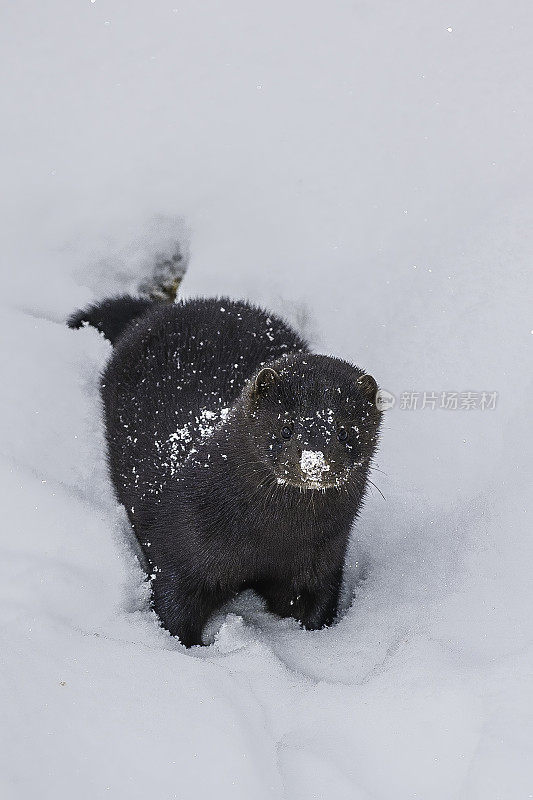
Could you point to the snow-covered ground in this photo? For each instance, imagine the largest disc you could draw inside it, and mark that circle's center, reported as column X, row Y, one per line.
column 365, row 169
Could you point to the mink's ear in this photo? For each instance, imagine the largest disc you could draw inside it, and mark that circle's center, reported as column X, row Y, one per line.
column 368, row 386
column 264, row 381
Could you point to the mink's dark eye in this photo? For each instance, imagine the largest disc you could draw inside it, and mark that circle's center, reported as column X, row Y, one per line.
column 286, row 432
column 342, row 434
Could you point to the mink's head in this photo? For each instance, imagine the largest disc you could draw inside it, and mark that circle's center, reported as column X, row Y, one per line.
column 313, row 420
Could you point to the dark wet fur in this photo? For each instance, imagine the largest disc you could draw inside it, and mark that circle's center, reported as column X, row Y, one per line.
column 209, row 512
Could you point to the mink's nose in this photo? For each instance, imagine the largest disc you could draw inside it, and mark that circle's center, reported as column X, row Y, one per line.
column 313, row 465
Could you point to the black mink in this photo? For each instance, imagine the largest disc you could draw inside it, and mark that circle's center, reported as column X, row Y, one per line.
column 241, row 458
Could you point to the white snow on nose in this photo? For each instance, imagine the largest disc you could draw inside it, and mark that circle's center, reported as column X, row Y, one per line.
column 313, row 464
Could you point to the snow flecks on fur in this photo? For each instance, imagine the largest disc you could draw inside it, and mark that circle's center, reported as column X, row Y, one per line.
column 177, row 447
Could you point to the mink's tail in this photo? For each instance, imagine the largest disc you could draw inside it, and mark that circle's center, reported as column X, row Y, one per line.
column 112, row 316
